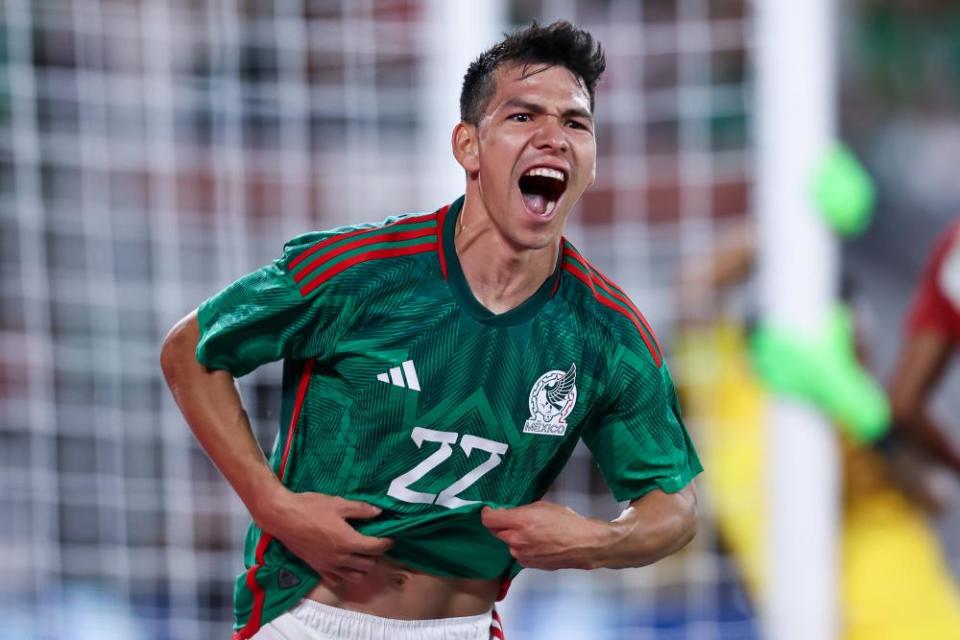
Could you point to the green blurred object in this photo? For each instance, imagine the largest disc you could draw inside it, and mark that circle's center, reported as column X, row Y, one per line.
column 823, row 369
column 843, row 191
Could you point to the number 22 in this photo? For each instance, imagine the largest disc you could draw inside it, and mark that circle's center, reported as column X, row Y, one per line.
column 400, row 487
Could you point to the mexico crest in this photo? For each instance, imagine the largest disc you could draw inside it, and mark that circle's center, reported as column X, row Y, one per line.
column 551, row 401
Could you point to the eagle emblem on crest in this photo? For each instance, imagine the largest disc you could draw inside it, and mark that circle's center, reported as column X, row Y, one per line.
column 551, row 400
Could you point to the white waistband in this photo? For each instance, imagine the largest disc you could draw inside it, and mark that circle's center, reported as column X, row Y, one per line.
column 327, row 621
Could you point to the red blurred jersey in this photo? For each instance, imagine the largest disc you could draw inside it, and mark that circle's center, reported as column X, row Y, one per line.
column 936, row 306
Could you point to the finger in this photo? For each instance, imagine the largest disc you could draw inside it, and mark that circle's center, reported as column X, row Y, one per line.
column 358, row 562
column 357, row 510
column 530, row 562
column 369, row 545
column 496, row 518
column 521, row 558
column 504, row 535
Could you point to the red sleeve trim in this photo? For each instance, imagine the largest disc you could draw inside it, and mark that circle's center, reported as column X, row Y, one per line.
column 256, row 615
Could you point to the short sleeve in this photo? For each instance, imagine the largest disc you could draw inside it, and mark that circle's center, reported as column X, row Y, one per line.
column 640, row 443
column 936, row 305
column 264, row 316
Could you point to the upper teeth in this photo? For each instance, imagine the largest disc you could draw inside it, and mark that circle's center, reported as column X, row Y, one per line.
column 546, row 173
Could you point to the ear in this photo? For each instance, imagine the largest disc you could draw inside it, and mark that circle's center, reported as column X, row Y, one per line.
column 466, row 147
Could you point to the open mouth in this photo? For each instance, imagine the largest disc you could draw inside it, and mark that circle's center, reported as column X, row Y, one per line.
column 541, row 188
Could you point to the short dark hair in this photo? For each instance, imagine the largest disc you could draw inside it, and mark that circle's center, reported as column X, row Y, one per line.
column 560, row 43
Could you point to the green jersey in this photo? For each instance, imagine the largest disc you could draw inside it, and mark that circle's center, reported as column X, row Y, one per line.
column 401, row 390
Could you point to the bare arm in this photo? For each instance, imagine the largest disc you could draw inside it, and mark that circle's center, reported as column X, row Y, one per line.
column 212, row 407
column 545, row 535
column 312, row 525
column 704, row 277
column 919, row 369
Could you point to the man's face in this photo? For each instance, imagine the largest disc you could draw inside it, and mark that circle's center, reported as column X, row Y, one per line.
column 536, row 152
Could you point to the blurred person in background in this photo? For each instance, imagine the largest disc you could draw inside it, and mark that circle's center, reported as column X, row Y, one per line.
column 887, row 489
column 931, row 336
column 436, row 366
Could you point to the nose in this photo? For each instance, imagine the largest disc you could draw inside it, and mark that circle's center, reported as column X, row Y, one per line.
column 551, row 135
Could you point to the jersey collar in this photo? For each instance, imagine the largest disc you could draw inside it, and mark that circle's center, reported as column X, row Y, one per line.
column 461, row 289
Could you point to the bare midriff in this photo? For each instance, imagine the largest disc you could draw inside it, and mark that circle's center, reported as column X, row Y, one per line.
column 392, row 590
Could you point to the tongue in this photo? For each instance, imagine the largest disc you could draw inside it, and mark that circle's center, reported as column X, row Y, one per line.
column 535, row 203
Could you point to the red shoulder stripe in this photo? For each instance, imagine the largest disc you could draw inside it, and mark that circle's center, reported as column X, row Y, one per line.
column 377, row 254
column 579, row 275
column 256, row 615
column 563, row 252
column 593, row 282
column 618, row 292
column 607, row 302
column 362, row 241
column 611, row 287
column 327, row 242
column 556, row 285
column 441, row 222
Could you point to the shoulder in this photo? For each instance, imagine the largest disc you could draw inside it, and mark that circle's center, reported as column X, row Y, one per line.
column 948, row 266
column 951, row 234
column 942, row 270
column 604, row 304
column 946, row 243
column 316, row 258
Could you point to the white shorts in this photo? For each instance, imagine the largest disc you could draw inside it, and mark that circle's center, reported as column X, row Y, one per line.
column 311, row 620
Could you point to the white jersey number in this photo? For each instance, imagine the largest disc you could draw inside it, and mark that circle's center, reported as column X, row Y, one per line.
column 400, row 487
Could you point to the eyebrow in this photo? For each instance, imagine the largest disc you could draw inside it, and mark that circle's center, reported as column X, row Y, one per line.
column 533, row 107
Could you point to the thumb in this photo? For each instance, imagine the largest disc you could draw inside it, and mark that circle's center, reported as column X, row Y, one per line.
column 494, row 518
column 357, row 510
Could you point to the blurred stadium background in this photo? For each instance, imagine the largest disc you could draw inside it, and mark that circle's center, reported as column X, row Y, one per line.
column 150, row 152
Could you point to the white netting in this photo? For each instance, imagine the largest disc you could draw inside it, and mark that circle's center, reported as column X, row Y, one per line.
column 150, row 152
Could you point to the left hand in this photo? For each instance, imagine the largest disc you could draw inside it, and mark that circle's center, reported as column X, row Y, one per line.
column 544, row 535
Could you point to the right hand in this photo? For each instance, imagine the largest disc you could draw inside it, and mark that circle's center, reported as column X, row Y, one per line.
column 314, row 527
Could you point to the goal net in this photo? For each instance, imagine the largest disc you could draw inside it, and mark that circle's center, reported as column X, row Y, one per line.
column 151, row 152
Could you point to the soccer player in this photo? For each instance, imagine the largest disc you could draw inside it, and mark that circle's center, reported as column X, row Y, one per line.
column 932, row 333
column 439, row 370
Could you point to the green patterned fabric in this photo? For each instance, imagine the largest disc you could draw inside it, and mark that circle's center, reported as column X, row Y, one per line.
column 417, row 399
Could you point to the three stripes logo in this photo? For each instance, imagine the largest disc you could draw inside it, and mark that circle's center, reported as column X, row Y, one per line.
column 404, row 376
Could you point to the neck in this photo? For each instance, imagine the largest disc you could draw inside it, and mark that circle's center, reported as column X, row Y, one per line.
column 500, row 274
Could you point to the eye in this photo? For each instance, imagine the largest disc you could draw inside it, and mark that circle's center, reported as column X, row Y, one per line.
column 520, row 117
column 576, row 124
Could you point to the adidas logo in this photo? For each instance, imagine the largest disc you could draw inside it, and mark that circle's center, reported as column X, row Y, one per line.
column 396, row 375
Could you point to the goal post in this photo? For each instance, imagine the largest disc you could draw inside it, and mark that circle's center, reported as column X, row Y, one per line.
column 795, row 120
column 454, row 34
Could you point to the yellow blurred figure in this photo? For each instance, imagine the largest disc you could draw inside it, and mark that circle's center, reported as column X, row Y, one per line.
column 895, row 584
